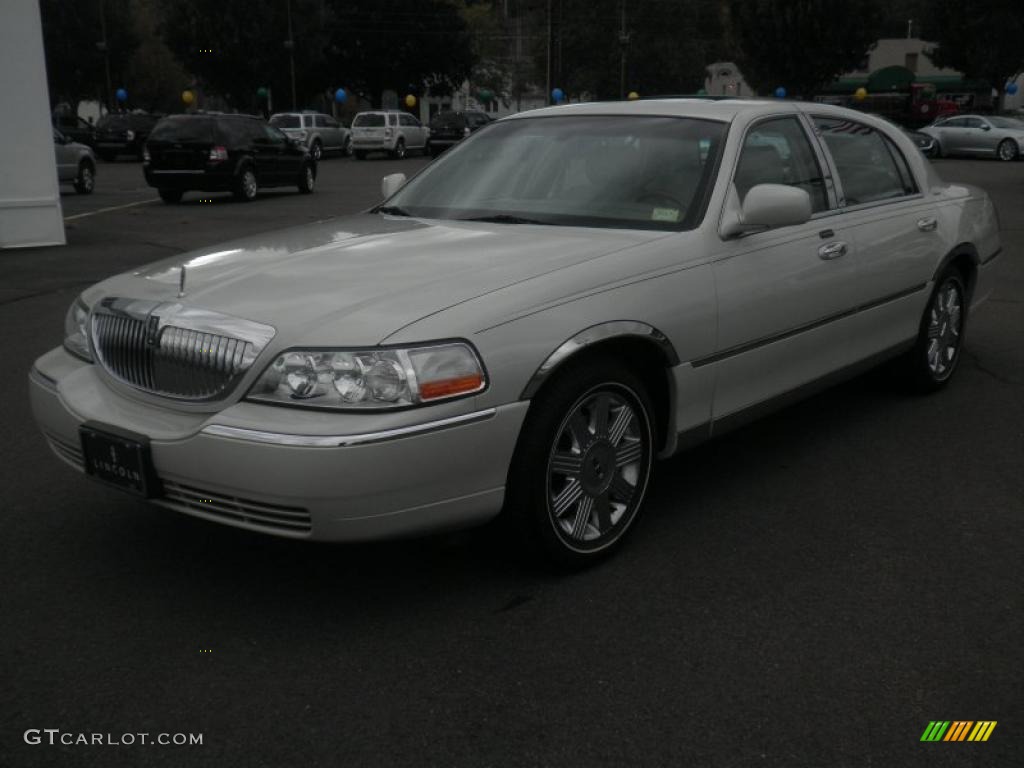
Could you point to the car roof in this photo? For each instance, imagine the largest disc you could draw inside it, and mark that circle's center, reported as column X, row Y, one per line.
column 724, row 110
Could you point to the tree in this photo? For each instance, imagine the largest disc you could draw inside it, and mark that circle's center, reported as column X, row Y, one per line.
column 73, row 34
column 801, row 45
column 981, row 38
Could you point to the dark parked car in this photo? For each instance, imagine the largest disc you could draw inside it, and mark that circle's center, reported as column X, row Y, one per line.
column 75, row 129
column 220, row 153
column 123, row 134
column 448, row 128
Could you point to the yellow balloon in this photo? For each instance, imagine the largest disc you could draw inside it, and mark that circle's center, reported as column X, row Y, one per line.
column 188, row 97
column 410, row 101
column 633, row 96
column 860, row 94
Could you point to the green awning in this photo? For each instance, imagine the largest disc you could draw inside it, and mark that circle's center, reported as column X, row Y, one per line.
column 889, row 79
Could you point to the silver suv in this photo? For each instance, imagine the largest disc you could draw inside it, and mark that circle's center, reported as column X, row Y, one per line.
column 391, row 131
column 320, row 132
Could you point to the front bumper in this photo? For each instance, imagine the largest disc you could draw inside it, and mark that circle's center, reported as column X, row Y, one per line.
column 381, row 483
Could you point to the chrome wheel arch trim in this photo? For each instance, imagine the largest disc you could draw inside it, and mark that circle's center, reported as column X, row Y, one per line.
column 341, row 441
column 614, row 329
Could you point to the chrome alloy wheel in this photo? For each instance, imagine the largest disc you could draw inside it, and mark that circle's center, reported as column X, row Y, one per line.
column 249, row 184
column 598, row 468
column 1007, row 150
column 945, row 326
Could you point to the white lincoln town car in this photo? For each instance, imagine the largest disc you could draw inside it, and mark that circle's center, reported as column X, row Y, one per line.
column 525, row 325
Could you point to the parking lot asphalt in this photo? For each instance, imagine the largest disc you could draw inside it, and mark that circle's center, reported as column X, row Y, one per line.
column 809, row 591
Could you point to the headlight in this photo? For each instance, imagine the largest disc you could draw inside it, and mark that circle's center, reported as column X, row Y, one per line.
column 76, row 330
column 371, row 378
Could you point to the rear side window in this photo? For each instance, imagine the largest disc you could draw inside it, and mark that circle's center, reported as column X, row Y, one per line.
column 237, row 133
column 369, row 120
column 779, row 152
column 286, row 121
column 184, row 129
column 320, row 121
column 865, row 161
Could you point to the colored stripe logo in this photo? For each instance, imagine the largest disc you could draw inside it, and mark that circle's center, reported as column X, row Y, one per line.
column 958, row 730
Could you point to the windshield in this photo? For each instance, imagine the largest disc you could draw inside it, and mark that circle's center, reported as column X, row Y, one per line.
column 1007, row 122
column 286, row 121
column 371, row 120
column 598, row 171
column 193, row 129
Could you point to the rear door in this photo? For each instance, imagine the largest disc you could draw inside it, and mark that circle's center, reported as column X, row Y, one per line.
column 895, row 228
column 269, row 150
column 953, row 135
column 782, row 293
column 330, row 132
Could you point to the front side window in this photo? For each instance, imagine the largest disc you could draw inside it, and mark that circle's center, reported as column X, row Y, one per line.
column 974, row 122
column 864, row 161
column 597, row 171
column 320, row 121
column 778, row 152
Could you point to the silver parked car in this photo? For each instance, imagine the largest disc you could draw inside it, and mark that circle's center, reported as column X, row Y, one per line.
column 524, row 326
column 1002, row 137
column 320, row 132
column 76, row 164
column 391, row 131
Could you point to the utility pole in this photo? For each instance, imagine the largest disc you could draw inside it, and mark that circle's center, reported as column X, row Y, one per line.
column 548, row 83
column 290, row 45
column 102, row 46
column 623, row 42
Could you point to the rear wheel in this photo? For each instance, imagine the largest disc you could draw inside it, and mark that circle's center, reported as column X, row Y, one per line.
column 85, row 181
column 307, row 179
column 246, row 185
column 930, row 364
column 170, row 195
column 1007, row 150
column 399, row 151
column 582, row 463
column 317, row 150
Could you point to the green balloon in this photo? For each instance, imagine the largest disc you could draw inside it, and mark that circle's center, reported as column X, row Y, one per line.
column 702, row 92
column 262, row 92
column 485, row 95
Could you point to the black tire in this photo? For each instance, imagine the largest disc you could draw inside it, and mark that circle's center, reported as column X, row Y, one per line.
column 316, row 150
column 170, row 195
column 399, row 151
column 933, row 360
column 1007, row 150
column 85, row 181
column 246, row 185
column 566, row 440
column 360, row 154
column 107, row 156
column 307, row 179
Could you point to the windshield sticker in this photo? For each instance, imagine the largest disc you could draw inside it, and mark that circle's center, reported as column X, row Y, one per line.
column 665, row 214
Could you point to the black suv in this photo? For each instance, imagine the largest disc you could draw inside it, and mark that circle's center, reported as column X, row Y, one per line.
column 219, row 153
column 448, row 128
column 123, row 133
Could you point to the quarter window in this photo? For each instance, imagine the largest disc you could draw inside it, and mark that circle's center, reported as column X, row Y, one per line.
column 779, row 152
column 865, row 161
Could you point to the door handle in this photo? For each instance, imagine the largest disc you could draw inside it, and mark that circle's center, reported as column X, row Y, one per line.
column 927, row 224
column 831, row 251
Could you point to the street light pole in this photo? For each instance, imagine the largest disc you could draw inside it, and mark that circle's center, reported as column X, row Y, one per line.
column 102, row 45
column 623, row 42
column 548, row 83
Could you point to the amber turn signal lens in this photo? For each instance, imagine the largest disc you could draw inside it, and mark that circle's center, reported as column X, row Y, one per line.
column 448, row 387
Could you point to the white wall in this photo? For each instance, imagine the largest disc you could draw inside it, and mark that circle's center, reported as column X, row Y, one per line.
column 30, row 211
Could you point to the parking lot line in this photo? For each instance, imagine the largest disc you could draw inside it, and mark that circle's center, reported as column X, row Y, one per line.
column 111, row 208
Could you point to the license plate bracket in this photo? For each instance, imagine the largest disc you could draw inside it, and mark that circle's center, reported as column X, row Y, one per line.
column 118, row 457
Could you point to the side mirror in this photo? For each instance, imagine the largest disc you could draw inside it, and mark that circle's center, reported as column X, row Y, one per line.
column 768, row 206
column 391, row 184
column 986, row 127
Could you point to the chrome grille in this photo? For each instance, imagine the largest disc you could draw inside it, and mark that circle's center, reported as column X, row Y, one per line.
column 279, row 518
column 180, row 362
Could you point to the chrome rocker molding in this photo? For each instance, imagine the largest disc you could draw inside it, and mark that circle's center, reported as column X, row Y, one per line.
column 592, row 335
column 341, row 441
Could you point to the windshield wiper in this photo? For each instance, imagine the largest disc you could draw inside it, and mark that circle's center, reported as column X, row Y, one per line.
column 503, row 218
column 393, row 210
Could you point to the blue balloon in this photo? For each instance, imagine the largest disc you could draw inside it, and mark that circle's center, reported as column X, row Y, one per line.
column 780, row 92
column 557, row 95
column 122, row 94
column 340, row 96
column 1012, row 88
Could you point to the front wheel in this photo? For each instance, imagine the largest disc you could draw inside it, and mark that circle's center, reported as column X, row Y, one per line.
column 582, row 463
column 85, row 181
column 1007, row 150
column 246, row 185
column 317, row 150
column 307, row 179
column 930, row 364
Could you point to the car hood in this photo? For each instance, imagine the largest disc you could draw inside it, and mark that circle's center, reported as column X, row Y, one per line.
column 357, row 280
